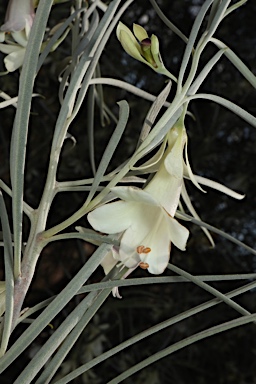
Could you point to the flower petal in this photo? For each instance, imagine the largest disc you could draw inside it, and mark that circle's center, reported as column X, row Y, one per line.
column 108, row 262
column 113, row 217
column 166, row 189
column 153, row 163
column 130, row 47
column 14, row 60
column 137, row 234
column 174, row 160
column 140, row 32
column 9, row 48
column 219, row 187
column 122, row 27
column 21, row 38
column 135, row 194
column 166, row 184
column 155, row 51
column 160, row 245
column 193, row 212
column 2, row 36
column 177, row 232
column 188, row 170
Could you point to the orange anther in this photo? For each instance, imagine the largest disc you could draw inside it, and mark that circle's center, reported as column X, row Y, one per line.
column 140, row 249
column 146, row 250
column 144, row 265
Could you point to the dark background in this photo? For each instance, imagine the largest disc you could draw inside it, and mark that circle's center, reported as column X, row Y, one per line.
column 221, row 147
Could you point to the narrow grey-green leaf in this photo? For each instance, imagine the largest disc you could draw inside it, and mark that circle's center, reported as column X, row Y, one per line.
column 184, row 216
column 180, row 317
column 90, row 126
column 153, row 112
column 168, row 22
column 236, row 61
column 68, row 343
column 182, row 344
column 192, row 38
column 54, row 307
column 204, row 73
column 53, row 40
column 227, row 104
column 209, row 289
column 111, row 147
column 6, row 324
column 20, row 128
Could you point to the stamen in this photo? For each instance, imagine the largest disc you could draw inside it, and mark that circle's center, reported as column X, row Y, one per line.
column 144, row 265
column 140, row 249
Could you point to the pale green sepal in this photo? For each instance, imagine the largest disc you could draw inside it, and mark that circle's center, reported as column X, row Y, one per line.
column 14, row 60
column 152, row 165
column 188, row 170
column 193, row 212
column 140, row 32
column 219, row 187
column 122, row 27
column 166, row 189
column 9, row 48
column 129, row 43
column 108, row 262
column 174, row 159
column 2, row 36
column 155, row 51
column 21, row 38
column 132, row 49
column 135, row 195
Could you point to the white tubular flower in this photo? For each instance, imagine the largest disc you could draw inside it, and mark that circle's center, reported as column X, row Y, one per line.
column 18, row 15
column 171, row 169
column 142, row 47
column 148, row 230
column 166, row 185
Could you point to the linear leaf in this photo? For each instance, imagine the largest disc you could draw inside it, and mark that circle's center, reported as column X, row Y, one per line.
column 151, row 331
column 111, row 147
column 54, row 307
column 6, row 324
column 227, row 104
column 20, row 128
column 181, row 344
column 192, row 38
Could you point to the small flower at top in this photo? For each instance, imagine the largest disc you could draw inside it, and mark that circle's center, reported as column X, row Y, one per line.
column 142, row 47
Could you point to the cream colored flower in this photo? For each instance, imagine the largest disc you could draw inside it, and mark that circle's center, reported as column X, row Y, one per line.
column 147, row 229
column 172, row 166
